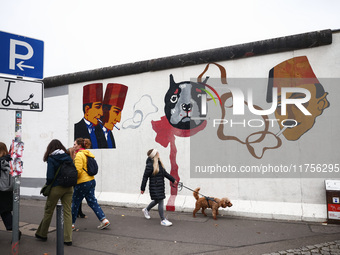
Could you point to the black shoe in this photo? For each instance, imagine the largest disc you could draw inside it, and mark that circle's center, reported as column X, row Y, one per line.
column 41, row 238
column 81, row 215
column 68, row 243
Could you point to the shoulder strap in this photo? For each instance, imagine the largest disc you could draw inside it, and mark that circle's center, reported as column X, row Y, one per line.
column 87, row 158
column 56, row 174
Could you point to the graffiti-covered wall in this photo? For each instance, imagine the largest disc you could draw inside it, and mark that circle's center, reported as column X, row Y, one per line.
column 257, row 125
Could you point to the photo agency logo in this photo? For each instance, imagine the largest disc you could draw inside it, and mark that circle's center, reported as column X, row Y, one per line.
column 292, row 92
column 257, row 118
column 293, row 97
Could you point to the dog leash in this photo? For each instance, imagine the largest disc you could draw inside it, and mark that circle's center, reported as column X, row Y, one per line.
column 180, row 186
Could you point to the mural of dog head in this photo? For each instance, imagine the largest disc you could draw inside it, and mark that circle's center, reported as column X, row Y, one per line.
column 183, row 104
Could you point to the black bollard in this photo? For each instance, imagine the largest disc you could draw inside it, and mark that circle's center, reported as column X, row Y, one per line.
column 60, row 229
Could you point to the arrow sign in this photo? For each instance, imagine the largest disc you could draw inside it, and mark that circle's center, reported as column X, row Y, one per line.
column 21, row 56
column 21, row 66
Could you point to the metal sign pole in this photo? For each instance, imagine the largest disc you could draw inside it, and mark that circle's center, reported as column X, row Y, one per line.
column 31, row 65
column 16, row 191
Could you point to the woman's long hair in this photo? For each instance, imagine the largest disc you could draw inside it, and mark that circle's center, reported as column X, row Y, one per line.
column 3, row 149
column 55, row 144
column 71, row 152
column 156, row 161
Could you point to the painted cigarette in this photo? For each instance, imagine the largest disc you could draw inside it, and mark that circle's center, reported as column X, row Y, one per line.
column 281, row 131
column 103, row 123
column 287, row 124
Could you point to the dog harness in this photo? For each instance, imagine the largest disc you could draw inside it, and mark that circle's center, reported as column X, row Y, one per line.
column 210, row 199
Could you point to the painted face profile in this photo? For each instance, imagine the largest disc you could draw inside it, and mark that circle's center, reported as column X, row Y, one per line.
column 92, row 102
column 297, row 72
column 302, row 123
column 94, row 113
column 115, row 115
column 113, row 104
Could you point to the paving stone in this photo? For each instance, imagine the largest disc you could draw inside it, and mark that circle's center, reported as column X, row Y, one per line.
column 329, row 248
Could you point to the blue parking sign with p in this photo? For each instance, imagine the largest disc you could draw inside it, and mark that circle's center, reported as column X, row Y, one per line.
column 21, row 56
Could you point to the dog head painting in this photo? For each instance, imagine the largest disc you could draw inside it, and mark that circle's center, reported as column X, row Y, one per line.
column 182, row 104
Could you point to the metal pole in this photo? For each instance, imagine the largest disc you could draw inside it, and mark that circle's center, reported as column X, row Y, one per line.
column 60, row 229
column 16, row 191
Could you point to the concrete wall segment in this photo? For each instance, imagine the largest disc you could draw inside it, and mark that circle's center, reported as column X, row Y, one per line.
column 121, row 169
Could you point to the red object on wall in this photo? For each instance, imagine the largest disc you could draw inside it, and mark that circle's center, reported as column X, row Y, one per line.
column 166, row 135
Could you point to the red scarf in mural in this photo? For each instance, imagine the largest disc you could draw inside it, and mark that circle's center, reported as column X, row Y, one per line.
column 165, row 136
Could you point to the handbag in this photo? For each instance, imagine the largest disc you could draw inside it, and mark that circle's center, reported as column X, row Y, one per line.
column 46, row 189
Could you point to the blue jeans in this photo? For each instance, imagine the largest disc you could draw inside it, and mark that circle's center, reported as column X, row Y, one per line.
column 86, row 190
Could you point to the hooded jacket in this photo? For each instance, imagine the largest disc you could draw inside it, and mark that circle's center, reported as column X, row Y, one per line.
column 6, row 197
column 80, row 161
column 156, row 183
column 53, row 162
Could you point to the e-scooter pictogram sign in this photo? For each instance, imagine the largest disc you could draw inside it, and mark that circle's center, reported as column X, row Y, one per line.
column 18, row 94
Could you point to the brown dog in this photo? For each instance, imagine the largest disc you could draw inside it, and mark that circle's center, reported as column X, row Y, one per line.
column 210, row 202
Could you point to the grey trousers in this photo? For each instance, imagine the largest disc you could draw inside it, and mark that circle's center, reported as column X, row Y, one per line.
column 160, row 207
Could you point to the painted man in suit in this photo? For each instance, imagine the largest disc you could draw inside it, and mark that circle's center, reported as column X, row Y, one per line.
column 113, row 104
column 92, row 107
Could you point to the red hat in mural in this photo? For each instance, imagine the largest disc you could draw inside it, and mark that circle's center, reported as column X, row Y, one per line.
column 93, row 93
column 290, row 73
column 115, row 95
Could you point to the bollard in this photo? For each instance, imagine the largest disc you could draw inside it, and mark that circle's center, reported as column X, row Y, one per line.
column 60, row 229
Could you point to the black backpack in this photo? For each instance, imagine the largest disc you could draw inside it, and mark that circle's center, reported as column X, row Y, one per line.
column 68, row 174
column 92, row 167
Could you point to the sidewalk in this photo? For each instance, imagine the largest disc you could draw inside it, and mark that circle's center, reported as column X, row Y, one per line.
column 131, row 233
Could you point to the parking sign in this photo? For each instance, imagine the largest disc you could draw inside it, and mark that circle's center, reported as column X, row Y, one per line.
column 21, row 56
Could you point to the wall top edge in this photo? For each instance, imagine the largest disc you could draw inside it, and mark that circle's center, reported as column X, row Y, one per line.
column 269, row 46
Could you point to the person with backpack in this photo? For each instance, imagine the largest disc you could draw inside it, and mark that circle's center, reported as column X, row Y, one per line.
column 6, row 188
column 56, row 156
column 86, row 183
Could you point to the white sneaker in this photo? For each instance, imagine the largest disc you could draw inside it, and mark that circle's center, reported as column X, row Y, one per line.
column 104, row 224
column 146, row 213
column 166, row 223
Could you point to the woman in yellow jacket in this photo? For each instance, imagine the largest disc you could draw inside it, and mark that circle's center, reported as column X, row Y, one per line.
column 86, row 184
